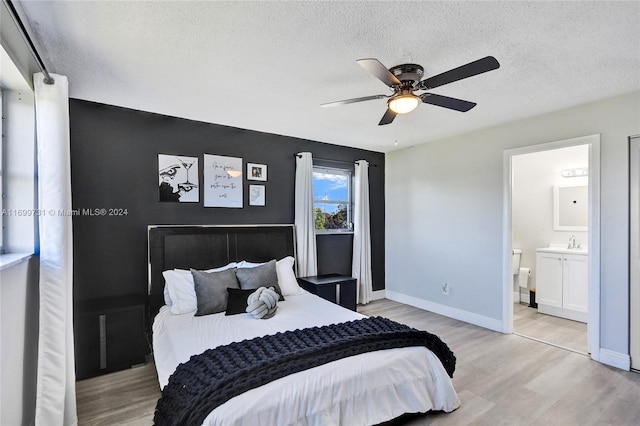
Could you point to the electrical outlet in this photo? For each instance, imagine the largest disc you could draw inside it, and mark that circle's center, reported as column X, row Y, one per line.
column 445, row 288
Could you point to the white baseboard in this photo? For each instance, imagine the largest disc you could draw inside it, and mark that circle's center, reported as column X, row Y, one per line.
column 605, row 356
column 447, row 311
column 378, row 294
column 615, row 359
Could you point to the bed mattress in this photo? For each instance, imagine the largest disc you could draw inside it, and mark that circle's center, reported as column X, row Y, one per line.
column 365, row 389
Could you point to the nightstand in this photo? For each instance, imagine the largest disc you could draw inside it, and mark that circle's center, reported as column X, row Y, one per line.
column 109, row 335
column 335, row 288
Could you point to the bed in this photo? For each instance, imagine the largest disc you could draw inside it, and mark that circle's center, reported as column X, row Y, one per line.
column 368, row 388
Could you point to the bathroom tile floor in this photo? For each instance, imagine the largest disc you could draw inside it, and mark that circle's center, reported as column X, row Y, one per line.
column 547, row 328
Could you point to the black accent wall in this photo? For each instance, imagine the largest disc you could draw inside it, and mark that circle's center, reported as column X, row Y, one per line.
column 114, row 165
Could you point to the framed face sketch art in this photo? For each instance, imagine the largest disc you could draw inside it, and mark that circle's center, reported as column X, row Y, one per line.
column 178, row 179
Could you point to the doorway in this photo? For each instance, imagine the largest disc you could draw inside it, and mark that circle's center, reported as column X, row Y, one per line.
column 550, row 234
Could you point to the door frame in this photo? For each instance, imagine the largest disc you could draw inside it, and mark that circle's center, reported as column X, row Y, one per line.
column 634, row 251
column 593, row 234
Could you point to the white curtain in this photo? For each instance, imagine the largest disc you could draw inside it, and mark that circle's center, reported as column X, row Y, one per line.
column 361, row 267
column 306, row 261
column 56, row 395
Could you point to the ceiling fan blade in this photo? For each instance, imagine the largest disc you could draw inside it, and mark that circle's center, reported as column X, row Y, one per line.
column 376, row 68
column 447, row 102
column 480, row 66
column 354, row 100
column 387, row 117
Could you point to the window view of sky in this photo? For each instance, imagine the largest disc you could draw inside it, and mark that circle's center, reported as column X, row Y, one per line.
column 330, row 187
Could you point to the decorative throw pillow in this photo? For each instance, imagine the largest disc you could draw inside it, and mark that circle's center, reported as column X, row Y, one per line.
column 237, row 300
column 180, row 293
column 264, row 275
column 211, row 290
column 263, row 303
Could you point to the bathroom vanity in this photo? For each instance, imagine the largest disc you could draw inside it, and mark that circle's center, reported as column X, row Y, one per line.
column 562, row 282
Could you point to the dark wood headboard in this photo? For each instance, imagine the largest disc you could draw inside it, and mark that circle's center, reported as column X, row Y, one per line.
column 206, row 247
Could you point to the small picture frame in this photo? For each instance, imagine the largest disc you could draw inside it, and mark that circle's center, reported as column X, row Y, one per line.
column 256, row 172
column 257, row 195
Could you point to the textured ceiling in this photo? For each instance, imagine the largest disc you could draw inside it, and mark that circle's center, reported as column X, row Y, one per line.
column 267, row 66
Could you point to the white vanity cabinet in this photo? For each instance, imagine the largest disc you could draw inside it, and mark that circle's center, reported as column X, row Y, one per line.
column 549, row 279
column 562, row 283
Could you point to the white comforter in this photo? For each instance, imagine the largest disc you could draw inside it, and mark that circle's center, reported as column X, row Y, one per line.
column 364, row 389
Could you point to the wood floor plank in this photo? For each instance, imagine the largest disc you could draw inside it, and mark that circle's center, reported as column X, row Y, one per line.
column 557, row 331
column 500, row 379
column 126, row 397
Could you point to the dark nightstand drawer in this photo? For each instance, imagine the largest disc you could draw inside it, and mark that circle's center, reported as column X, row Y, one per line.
column 339, row 289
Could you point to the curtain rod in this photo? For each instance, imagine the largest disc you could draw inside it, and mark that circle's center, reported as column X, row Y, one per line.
column 25, row 36
column 335, row 161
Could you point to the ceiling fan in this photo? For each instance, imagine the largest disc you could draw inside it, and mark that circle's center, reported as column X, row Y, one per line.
column 405, row 79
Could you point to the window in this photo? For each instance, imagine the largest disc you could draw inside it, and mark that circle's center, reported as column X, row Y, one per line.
column 17, row 164
column 332, row 199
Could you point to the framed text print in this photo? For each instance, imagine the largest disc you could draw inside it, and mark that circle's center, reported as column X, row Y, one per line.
column 222, row 181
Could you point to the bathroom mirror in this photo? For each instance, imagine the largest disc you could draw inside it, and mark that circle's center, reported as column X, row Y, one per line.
column 570, row 207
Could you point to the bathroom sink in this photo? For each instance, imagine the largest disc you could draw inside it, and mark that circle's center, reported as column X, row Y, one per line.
column 561, row 248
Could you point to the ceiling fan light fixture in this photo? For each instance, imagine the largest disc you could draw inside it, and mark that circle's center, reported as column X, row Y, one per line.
column 403, row 104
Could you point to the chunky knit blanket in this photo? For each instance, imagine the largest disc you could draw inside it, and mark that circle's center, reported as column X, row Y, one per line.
column 217, row 375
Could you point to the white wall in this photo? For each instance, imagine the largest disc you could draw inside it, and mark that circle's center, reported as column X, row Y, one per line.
column 19, row 342
column 534, row 176
column 444, row 203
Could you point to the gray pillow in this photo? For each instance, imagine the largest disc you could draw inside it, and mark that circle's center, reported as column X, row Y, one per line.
column 211, row 290
column 260, row 276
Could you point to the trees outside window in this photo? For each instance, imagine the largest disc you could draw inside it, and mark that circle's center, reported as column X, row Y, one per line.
column 332, row 199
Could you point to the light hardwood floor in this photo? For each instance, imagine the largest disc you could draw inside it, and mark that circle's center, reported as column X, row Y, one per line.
column 125, row 398
column 500, row 379
column 556, row 331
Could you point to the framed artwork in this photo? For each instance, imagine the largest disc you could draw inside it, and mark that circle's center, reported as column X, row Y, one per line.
column 178, row 179
column 257, row 195
column 222, row 181
column 256, row 171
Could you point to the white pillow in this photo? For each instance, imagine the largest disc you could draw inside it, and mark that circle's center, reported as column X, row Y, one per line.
column 181, row 290
column 167, row 296
column 287, row 278
column 245, row 264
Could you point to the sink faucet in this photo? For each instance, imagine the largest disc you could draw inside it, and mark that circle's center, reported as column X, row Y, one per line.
column 572, row 242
